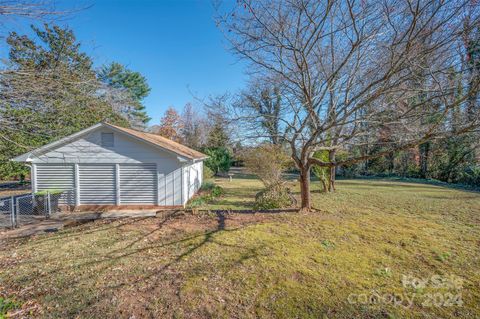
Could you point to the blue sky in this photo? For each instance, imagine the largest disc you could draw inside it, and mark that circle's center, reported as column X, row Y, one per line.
column 174, row 44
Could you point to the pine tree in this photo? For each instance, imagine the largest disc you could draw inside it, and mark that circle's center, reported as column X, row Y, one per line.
column 49, row 90
column 135, row 84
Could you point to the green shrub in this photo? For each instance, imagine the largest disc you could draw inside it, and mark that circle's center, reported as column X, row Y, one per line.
column 470, row 176
column 219, row 159
column 413, row 171
column 212, row 189
column 208, row 192
column 216, row 191
column 207, row 173
column 275, row 196
column 207, row 186
column 196, row 202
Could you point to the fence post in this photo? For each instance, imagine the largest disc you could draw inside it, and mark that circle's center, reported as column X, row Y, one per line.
column 12, row 211
column 17, row 211
column 49, row 208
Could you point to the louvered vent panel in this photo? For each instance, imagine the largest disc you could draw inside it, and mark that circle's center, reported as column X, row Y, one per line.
column 138, row 184
column 57, row 177
column 97, row 184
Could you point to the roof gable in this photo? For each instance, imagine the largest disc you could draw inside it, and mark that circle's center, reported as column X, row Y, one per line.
column 147, row 138
column 163, row 142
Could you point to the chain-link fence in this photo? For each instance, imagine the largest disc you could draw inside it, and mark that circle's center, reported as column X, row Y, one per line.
column 29, row 208
column 6, row 212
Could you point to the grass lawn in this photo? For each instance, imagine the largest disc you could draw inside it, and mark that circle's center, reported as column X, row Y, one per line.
column 362, row 241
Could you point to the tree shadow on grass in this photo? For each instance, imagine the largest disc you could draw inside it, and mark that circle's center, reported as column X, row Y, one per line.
column 206, row 238
column 127, row 251
column 145, row 263
column 91, row 229
column 168, row 278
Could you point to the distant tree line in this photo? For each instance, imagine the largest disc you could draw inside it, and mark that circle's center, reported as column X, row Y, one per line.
column 205, row 128
column 368, row 87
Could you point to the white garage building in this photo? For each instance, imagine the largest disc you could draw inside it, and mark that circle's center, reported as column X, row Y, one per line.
column 108, row 165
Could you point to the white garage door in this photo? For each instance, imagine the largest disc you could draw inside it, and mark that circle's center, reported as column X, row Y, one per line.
column 97, row 184
column 57, row 177
column 138, row 184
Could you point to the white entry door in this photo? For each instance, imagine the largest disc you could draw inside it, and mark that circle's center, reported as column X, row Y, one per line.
column 97, row 184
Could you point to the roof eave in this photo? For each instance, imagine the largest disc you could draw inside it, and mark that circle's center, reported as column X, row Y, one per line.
column 27, row 157
column 22, row 158
column 180, row 157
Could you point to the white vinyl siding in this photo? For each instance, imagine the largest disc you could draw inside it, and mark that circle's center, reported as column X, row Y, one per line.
column 56, row 177
column 177, row 187
column 169, row 183
column 145, row 175
column 170, row 188
column 97, row 184
column 89, row 149
column 138, row 184
column 193, row 178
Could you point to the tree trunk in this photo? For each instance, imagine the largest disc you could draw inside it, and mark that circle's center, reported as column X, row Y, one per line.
column 331, row 184
column 305, row 188
column 324, row 184
column 391, row 162
column 366, row 165
column 424, row 156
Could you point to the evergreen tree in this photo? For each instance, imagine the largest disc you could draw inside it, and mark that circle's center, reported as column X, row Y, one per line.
column 48, row 91
column 218, row 137
column 135, row 84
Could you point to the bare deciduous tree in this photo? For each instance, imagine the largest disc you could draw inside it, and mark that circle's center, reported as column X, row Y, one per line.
column 263, row 102
column 350, row 68
column 35, row 10
column 194, row 127
column 31, row 8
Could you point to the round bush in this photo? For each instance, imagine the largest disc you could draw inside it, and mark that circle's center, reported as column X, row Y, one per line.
column 275, row 196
